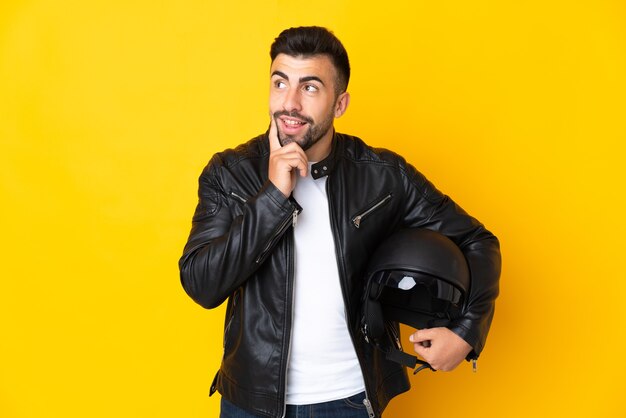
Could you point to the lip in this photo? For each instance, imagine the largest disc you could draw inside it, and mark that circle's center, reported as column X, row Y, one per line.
column 290, row 127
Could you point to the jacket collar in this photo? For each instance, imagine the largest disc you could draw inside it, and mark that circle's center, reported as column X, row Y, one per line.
column 327, row 165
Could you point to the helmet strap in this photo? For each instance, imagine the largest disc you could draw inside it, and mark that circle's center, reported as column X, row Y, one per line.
column 407, row 360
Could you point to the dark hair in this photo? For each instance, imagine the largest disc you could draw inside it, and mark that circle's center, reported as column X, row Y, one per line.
column 307, row 41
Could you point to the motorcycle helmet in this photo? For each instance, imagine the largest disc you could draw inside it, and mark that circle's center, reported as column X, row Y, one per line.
column 417, row 277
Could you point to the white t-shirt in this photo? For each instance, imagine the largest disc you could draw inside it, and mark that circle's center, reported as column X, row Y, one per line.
column 322, row 362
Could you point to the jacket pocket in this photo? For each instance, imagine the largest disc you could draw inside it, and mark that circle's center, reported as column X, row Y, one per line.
column 365, row 213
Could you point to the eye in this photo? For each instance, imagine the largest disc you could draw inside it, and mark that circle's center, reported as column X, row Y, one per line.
column 310, row 88
column 280, row 84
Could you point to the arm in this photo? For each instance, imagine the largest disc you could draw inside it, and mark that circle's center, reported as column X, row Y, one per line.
column 224, row 249
column 427, row 207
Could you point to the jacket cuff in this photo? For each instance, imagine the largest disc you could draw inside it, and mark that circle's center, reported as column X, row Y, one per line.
column 285, row 204
column 471, row 338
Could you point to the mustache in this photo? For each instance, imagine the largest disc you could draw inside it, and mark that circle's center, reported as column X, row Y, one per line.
column 293, row 114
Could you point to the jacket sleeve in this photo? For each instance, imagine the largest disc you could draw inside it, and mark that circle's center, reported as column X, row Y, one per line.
column 224, row 248
column 428, row 208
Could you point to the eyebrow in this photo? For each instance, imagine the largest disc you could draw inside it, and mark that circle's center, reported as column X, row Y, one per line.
column 302, row 79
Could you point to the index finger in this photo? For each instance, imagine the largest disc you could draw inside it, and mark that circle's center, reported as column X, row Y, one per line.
column 273, row 135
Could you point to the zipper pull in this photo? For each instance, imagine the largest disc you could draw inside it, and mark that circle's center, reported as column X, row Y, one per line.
column 474, row 365
column 357, row 221
column 368, row 406
column 398, row 344
column 294, row 218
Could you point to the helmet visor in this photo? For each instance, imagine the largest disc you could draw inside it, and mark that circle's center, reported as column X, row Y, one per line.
column 417, row 282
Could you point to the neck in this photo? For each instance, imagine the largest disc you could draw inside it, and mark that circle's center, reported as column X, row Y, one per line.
column 321, row 148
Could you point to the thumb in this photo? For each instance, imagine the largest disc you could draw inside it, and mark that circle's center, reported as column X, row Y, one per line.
column 421, row 336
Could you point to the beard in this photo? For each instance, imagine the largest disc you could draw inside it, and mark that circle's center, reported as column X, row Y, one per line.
column 313, row 134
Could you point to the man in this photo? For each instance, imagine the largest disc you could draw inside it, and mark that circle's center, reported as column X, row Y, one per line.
column 283, row 229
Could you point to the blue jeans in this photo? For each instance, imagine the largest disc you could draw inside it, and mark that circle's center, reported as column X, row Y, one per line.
column 351, row 407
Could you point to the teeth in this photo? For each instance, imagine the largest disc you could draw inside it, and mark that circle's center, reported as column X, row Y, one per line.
column 293, row 122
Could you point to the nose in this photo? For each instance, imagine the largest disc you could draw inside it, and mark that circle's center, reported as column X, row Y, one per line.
column 292, row 101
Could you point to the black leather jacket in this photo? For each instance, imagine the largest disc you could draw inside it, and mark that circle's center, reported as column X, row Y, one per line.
column 241, row 248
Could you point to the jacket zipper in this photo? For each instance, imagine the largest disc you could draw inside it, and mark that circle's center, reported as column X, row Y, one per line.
column 232, row 316
column 366, row 401
column 293, row 295
column 395, row 336
column 357, row 219
column 283, row 227
column 368, row 406
column 238, row 197
column 293, row 220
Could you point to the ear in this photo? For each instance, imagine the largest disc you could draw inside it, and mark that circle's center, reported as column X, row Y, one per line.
column 342, row 104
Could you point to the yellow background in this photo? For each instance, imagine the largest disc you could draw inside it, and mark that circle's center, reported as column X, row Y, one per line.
column 110, row 109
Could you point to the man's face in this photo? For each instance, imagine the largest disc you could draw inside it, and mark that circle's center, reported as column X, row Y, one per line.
column 302, row 99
